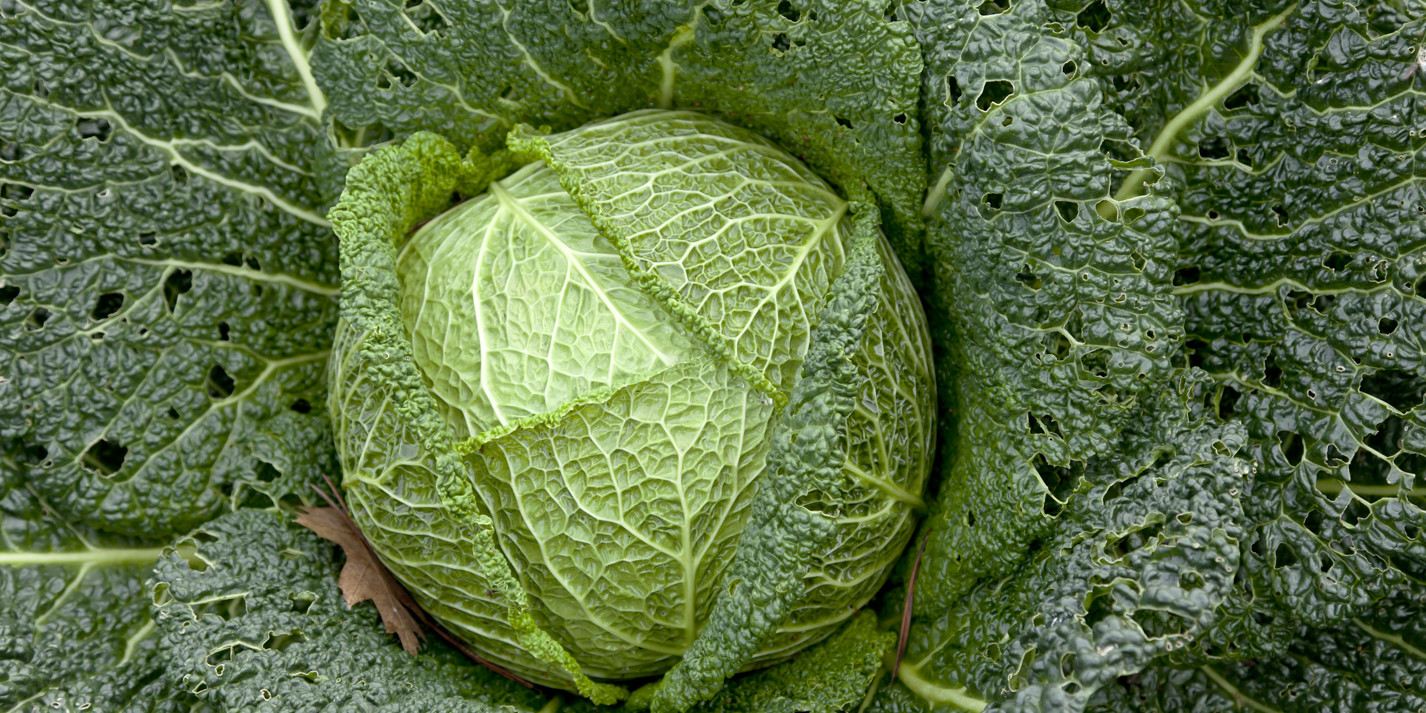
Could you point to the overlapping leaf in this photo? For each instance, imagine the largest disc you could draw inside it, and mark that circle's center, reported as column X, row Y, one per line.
column 1285, row 136
column 1137, row 568
column 246, row 610
column 833, row 81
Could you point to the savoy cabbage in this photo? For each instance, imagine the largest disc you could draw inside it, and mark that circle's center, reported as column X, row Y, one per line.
column 579, row 369
column 1172, row 257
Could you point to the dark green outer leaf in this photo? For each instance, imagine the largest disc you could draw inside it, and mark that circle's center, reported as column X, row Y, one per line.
column 75, row 634
column 166, row 276
column 1302, row 271
column 253, row 620
column 1376, row 662
column 1058, row 319
column 1292, row 150
column 1136, row 567
column 836, row 86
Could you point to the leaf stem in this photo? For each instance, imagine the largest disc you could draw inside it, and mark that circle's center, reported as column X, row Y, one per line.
column 84, row 557
column 959, row 697
column 1134, row 184
column 282, row 17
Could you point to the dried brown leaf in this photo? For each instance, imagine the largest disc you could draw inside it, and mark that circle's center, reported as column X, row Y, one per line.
column 365, row 578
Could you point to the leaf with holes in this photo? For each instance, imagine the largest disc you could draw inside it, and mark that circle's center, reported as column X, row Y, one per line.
column 1139, row 565
column 1058, row 300
column 75, row 632
column 1175, row 193
column 834, row 81
column 247, row 611
column 1374, row 661
column 168, row 276
column 1302, row 273
column 167, row 279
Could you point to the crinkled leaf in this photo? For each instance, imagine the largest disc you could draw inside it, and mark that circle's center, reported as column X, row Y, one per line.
column 1375, row 662
column 75, row 633
column 167, row 280
column 742, row 263
column 1056, row 304
column 1137, row 566
column 250, row 617
column 1292, row 146
column 765, row 579
column 833, row 677
column 1297, row 275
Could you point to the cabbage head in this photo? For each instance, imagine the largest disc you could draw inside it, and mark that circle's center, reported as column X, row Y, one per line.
column 556, row 400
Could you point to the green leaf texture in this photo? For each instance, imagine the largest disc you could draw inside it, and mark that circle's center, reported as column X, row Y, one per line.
column 247, row 604
column 517, row 305
column 838, row 483
column 1057, row 303
column 1292, row 145
column 75, row 633
column 167, row 280
column 743, row 262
